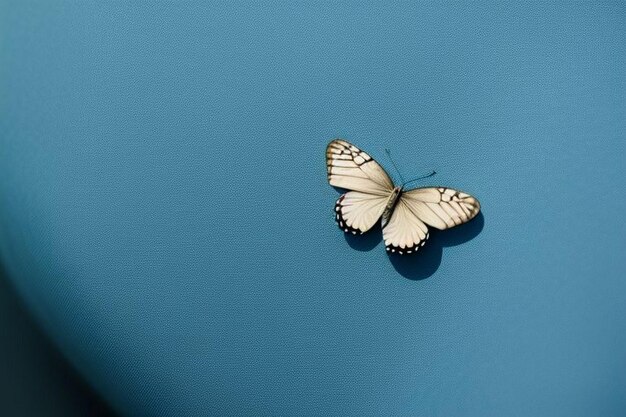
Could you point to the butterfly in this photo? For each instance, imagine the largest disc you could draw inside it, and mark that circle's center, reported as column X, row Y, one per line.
column 406, row 215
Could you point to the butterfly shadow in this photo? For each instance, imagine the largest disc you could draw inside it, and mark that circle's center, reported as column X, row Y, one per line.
column 367, row 241
column 426, row 261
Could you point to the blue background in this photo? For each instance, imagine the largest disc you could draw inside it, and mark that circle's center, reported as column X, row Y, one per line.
column 35, row 379
column 165, row 212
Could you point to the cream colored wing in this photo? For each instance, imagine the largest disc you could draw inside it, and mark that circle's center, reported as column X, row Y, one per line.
column 404, row 232
column 357, row 212
column 350, row 168
column 439, row 207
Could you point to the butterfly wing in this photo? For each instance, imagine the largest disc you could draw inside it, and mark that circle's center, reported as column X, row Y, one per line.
column 439, row 207
column 349, row 167
column 357, row 212
column 404, row 232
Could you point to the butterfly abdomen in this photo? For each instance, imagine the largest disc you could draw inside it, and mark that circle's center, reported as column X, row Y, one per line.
column 391, row 204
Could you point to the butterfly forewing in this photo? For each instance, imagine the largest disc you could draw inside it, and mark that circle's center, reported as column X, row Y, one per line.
column 438, row 207
column 441, row 207
column 350, row 168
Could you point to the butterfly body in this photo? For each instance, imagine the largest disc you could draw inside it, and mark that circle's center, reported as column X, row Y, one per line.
column 391, row 204
column 405, row 214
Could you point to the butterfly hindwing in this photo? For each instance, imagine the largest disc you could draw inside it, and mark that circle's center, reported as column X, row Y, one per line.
column 404, row 232
column 357, row 212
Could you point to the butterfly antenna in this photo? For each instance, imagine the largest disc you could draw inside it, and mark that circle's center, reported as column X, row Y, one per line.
column 420, row 178
column 394, row 164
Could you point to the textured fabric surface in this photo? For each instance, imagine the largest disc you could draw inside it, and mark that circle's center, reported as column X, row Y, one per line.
column 165, row 213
